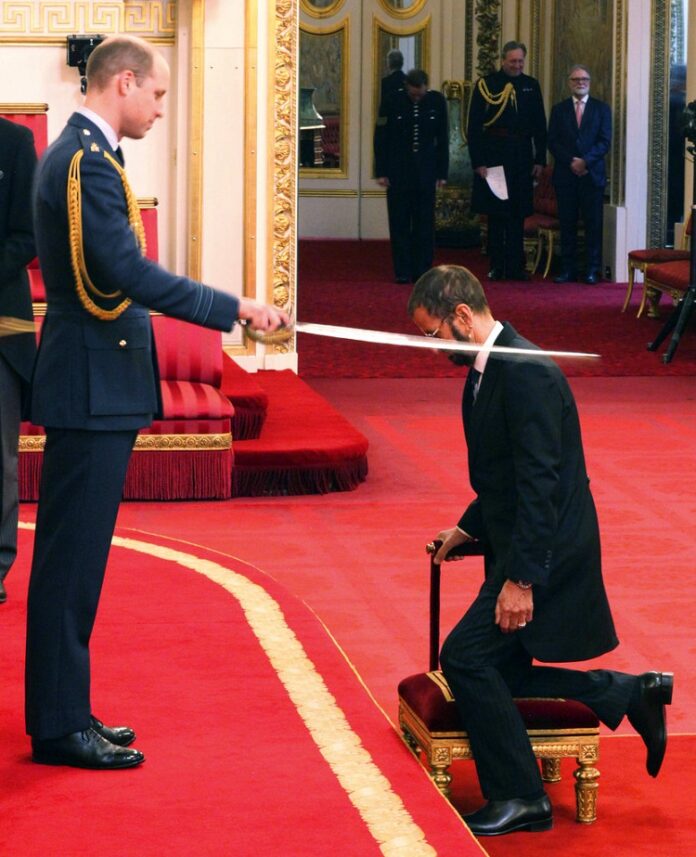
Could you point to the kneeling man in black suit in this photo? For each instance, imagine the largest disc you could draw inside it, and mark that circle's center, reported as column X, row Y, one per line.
column 543, row 596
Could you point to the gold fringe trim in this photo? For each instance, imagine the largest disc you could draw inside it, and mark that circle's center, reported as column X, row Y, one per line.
column 497, row 99
column 441, row 682
column 77, row 251
column 145, row 442
column 383, row 811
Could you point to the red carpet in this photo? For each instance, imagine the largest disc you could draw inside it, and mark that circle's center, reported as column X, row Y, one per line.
column 255, row 728
column 350, row 283
column 357, row 559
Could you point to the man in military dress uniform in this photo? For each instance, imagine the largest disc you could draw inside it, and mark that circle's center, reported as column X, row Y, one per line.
column 507, row 127
column 411, row 162
column 95, row 384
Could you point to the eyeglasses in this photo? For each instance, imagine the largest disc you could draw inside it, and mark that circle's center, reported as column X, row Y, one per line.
column 433, row 333
column 579, row 79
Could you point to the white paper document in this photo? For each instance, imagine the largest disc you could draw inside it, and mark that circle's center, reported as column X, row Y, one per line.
column 495, row 176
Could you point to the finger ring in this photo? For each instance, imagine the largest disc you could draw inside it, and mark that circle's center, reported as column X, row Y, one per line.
column 522, row 625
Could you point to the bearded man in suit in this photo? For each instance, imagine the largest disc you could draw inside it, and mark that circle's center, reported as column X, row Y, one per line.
column 17, row 164
column 95, row 384
column 579, row 138
column 543, row 596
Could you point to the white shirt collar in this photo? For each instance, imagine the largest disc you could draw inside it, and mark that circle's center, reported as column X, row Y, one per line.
column 484, row 353
column 582, row 100
column 102, row 124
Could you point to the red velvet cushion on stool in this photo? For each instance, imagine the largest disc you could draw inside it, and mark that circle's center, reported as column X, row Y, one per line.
column 191, row 400
column 673, row 275
column 428, row 696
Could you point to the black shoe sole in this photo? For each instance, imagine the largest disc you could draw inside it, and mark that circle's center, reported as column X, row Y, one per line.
column 528, row 826
column 56, row 759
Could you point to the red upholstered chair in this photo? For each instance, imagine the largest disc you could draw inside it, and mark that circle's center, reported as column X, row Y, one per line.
column 34, row 117
column 671, row 278
column 557, row 728
column 639, row 260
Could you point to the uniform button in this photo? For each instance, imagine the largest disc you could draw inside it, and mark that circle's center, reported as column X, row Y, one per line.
column 122, row 343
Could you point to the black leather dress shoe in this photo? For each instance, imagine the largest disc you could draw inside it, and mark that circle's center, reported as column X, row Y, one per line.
column 592, row 277
column 496, row 274
column 3, row 593
column 566, row 277
column 85, row 749
column 122, row 736
column 647, row 715
column 505, row 816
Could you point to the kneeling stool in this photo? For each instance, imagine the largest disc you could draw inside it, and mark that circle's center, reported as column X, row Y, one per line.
column 556, row 727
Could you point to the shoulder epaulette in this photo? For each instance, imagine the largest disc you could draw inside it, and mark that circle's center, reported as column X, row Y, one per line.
column 497, row 99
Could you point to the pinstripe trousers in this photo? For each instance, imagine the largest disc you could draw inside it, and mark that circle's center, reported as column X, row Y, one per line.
column 486, row 669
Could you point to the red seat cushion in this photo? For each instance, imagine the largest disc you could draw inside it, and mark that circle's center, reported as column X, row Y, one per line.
column 192, row 400
column 657, row 255
column 672, row 275
column 428, row 696
column 187, row 352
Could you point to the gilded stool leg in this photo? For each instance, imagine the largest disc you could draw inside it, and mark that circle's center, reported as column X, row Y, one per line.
column 440, row 758
column 549, row 251
column 653, row 295
column 586, row 788
column 551, row 770
column 410, row 741
column 629, row 290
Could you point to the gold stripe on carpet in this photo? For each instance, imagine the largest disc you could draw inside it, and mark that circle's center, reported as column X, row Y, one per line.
column 382, row 810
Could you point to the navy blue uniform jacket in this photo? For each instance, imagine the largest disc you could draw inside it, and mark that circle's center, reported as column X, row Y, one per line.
column 590, row 141
column 94, row 374
column 533, row 508
column 17, row 165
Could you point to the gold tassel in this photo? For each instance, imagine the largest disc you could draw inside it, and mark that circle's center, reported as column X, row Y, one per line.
column 498, row 99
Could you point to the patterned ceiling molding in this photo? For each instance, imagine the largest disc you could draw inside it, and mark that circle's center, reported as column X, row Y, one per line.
column 282, row 205
column 488, row 37
column 39, row 21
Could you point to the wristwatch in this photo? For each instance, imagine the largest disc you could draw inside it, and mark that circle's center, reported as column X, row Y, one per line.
column 523, row 584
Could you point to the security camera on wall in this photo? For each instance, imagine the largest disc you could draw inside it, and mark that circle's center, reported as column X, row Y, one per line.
column 79, row 49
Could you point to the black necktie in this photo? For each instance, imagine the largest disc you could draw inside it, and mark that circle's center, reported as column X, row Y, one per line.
column 119, row 155
column 470, row 390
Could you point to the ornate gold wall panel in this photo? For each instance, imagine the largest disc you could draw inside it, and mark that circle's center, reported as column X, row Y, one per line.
column 39, row 21
column 402, row 11
column 321, row 9
column 282, row 118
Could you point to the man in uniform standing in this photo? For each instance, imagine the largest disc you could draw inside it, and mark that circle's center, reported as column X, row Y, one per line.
column 95, row 384
column 411, row 161
column 507, row 127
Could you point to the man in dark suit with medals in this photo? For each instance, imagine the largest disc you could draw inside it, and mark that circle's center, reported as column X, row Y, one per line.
column 95, row 384
column 579, row 138
column 507, row 127
column 17, row 164
column 543, row 596
column 411, row 161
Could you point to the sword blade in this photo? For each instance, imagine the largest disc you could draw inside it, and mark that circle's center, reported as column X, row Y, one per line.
column 384, row 337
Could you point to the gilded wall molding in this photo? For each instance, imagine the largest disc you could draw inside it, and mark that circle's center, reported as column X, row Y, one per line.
column 488, row 36
column 195, row 166
column 282, row 116
column 406, row 12
column 321, row 12
column 469, row 41
column 659, row 104
column 36, row 21
column 617, row 169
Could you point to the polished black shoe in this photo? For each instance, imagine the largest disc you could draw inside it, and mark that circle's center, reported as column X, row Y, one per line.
column 87, row 749
column 566, row 277
column 3, row 593
column 121, row 736
column 496, row 274
column 647, row 715
column 506, row 816
column 592, row 277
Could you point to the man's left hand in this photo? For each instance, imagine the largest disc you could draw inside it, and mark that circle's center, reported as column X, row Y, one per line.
column 514, row 607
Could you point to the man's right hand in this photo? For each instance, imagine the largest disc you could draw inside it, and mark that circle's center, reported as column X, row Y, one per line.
column 262, row 317
column 481, row 171
column 383, row 181
column 450, row 539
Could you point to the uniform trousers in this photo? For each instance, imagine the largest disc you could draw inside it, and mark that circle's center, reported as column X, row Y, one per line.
column 411, row 230
column 581, row 199
column 486, row 669
column 10, row 416
column 81, row 486
column 506, row 243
